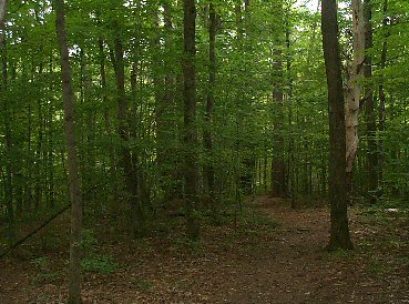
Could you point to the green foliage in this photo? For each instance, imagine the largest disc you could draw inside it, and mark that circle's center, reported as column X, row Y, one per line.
column 40, row 263
column 247, row 123
column 103, row 264
column 89, row 240
column 378, row 268
column 42, row 278
column 45, row 275
column 340, row 255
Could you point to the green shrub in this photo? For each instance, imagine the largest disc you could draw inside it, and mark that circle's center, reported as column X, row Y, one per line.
column 103, row 264
column 88, row 240
column 45, row 275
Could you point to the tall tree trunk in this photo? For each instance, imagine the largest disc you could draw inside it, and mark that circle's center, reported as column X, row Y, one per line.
column 339, row 237
column 290, row 181
column 353, row 95
column 172, row 166
column 129, row 169
column 103, row 84
column 3, row 11
column 51, row 194
column 245, row 158
column 278, row 165
column 8, row 184
column 190, row 129
column 28, row 196
column 208, row 130
column 382, row 94
column 107, row 116
column 239, row 178
column 138, row 157
column 73, row 172
column 162, row 102
column 372, row 154
column 38, row 190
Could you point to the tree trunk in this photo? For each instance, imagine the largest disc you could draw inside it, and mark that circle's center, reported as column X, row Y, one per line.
column 107, row 116
column 40, row 157
column 278, row 166
column 382, row 94
column 190, row 130
column 129, row 169
column 208, row 131
column 8, row 136
column 371, row 127
column 3, row 11
column 290, row 181
column 163, row 97
column 73, row 172
column 354, row 90
column 339, row 237
column 51, row 194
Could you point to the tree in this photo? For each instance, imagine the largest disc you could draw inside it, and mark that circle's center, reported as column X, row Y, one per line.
column 339, row 232
column 165, row 104
column 128, row 166
column 190, row 131
column 210, row 100
column 73, row 170
column 382, row 93
column 6, row 112
column 353, row 93
column 370, row 112
column 3, row 10
column 279, row 185
column 246, row 111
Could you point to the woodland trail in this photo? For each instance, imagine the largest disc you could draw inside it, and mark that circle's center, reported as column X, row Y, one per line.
column 286, row 263
column 297, row 269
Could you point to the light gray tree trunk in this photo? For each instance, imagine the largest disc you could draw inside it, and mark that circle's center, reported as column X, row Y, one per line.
column 353, row 93
column 3, row 11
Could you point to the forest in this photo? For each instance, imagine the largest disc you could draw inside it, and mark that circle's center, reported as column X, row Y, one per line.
column 204, row 151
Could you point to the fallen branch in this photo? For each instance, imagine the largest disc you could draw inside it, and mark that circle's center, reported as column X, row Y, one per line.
column 21, row 241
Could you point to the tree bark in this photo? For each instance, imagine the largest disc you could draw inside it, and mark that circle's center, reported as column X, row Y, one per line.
column 73, row 172
column 371, row 128
column 8, row 135
column 190, row 130
column 3, row 11
column 163, row 84
column 354, row 90
column 278, row 166
column 382, row 94
column 128, row 167
column 339, row 232
column 51, row 194
column 170, row 171
column 210, row 100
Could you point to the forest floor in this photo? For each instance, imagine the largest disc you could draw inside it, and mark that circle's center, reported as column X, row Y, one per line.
column 274, row 255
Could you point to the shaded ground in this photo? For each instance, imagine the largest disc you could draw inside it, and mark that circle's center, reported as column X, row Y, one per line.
column 274, row 258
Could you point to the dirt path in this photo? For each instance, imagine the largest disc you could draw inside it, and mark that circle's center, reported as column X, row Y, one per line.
column 282, row 265
column 297, row 269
